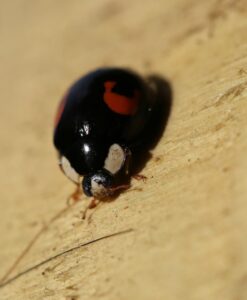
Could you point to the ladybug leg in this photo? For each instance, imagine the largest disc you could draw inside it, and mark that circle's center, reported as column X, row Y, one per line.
column 93, row 203
column 120, row 187
column 75, row 196
column 140, row 177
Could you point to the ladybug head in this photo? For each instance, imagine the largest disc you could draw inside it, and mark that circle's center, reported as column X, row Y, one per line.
column 98, row 184
column 99, row 167
column 102, row 183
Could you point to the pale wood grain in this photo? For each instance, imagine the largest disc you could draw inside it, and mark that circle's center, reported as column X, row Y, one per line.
column 189, row 219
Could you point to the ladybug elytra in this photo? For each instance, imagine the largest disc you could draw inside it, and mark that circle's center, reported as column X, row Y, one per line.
column 101, row 121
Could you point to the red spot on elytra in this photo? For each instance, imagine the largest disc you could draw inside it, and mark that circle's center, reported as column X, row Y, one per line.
column 118, row 103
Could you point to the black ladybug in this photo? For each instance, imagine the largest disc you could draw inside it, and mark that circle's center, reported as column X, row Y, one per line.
column 104, row 118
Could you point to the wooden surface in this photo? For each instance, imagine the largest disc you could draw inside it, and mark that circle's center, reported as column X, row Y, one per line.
column 189, row 219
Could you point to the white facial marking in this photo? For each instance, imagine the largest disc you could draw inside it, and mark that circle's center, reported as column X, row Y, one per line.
column 98, row 190
column 68, row 170
column 115, row 159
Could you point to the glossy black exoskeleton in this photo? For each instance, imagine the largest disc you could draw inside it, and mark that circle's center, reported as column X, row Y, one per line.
column 102, row 120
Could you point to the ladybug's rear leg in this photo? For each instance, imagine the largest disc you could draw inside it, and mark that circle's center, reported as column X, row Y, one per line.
column 140, row 177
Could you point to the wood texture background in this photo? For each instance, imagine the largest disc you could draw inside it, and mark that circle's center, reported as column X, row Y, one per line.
column 189, row 219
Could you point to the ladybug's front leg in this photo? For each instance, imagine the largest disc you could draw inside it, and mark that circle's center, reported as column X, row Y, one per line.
column 93, row 203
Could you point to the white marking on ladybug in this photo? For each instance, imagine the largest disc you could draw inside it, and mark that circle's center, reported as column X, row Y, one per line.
column 98, row 190
column 115, row 159
column 68, row 170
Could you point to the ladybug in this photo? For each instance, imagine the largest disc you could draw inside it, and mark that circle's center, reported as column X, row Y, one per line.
column 101, row 122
